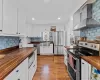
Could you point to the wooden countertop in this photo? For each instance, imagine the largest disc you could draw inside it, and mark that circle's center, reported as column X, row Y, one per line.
column 12, row 59
column 93, row 60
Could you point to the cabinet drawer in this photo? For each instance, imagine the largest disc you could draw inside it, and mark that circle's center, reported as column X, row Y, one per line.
column 14, row 74
column 18, row 71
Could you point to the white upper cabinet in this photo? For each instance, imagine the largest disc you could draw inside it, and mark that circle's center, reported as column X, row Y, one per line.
column 21, row 22
column 0, row 15
column 29, row 30
column 76, row 18
column 10, row 16
column 83, row 13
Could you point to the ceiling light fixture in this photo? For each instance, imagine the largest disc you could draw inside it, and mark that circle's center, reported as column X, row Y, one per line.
column 47, row 1
column 59, row 18
column 33, row 18
column 71, row 17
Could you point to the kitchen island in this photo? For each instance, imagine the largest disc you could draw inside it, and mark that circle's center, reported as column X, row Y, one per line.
column 13, row 59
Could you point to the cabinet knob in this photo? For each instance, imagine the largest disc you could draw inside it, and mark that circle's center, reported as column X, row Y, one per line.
column 82, row 63
column 94, row 46
column 17, row 70
column 18, row 79
column 85, row 43
column 0, row 30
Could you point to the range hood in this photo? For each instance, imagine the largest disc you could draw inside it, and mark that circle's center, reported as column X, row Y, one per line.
column 88, row 21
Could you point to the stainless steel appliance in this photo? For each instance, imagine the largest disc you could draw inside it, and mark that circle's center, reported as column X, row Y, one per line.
column 74, row 59
column 58, row 39
column 86, row 19
column 73, row 66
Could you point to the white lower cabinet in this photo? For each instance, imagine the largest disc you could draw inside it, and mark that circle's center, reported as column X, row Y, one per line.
column 33, row 67
column 46, row 50
column 85, row 70
column 32, row 71
column 23, row 71
column 19, row 73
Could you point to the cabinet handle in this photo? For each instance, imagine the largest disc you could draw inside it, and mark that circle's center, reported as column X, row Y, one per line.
column 0, row 30
column 34, row 66
column 82, row 63
column 85, row 43
column 18, row 79
column 94, row 46
column 17, row 70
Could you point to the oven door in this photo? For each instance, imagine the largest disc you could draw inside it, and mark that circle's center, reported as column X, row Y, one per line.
column 73, row 67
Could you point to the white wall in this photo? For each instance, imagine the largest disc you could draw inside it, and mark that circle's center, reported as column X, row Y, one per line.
column 25, row 41
column 37, row 29
column 69, row 29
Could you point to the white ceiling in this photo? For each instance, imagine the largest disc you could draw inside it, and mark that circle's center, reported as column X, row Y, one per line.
column 48, row 12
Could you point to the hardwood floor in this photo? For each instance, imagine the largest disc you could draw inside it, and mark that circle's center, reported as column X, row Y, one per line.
column 51, row 68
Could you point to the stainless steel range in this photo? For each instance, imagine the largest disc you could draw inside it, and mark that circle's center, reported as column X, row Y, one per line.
column 74, row 57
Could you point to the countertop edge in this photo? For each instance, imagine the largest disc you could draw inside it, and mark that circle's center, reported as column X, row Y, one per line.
column 90, row 60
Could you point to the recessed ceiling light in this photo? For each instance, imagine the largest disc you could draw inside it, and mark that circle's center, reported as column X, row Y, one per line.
column 33, row 18
column 71, row 17
column 47, row 1
column 59, row 18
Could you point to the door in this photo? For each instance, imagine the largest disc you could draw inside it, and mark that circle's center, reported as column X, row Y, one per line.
column 10, row 16
column 1, row 15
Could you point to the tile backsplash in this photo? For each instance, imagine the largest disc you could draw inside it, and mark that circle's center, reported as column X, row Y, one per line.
column 6, row 42
column 36, row 39
column 92, row 32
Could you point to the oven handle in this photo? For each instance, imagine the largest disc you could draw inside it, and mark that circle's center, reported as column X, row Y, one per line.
column 73, row 56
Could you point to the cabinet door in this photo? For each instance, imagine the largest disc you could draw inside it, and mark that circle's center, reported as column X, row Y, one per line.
column 76, row 18
column 36, row 31
column 29, row 31
column 31, row 72
column 21, row 22
column 19, row 73
column 10, row 16
column 24, row 75
column 84, row 13
column 84, row 70
column 0, row 15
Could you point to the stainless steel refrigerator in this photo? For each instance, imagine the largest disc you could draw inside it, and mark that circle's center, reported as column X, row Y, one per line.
column 58, row 39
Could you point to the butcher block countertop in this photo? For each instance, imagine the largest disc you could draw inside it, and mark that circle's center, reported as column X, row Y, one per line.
column 93, row 60
column 10, row 60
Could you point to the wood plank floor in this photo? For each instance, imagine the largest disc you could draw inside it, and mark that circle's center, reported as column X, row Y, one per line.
column 51, row 68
